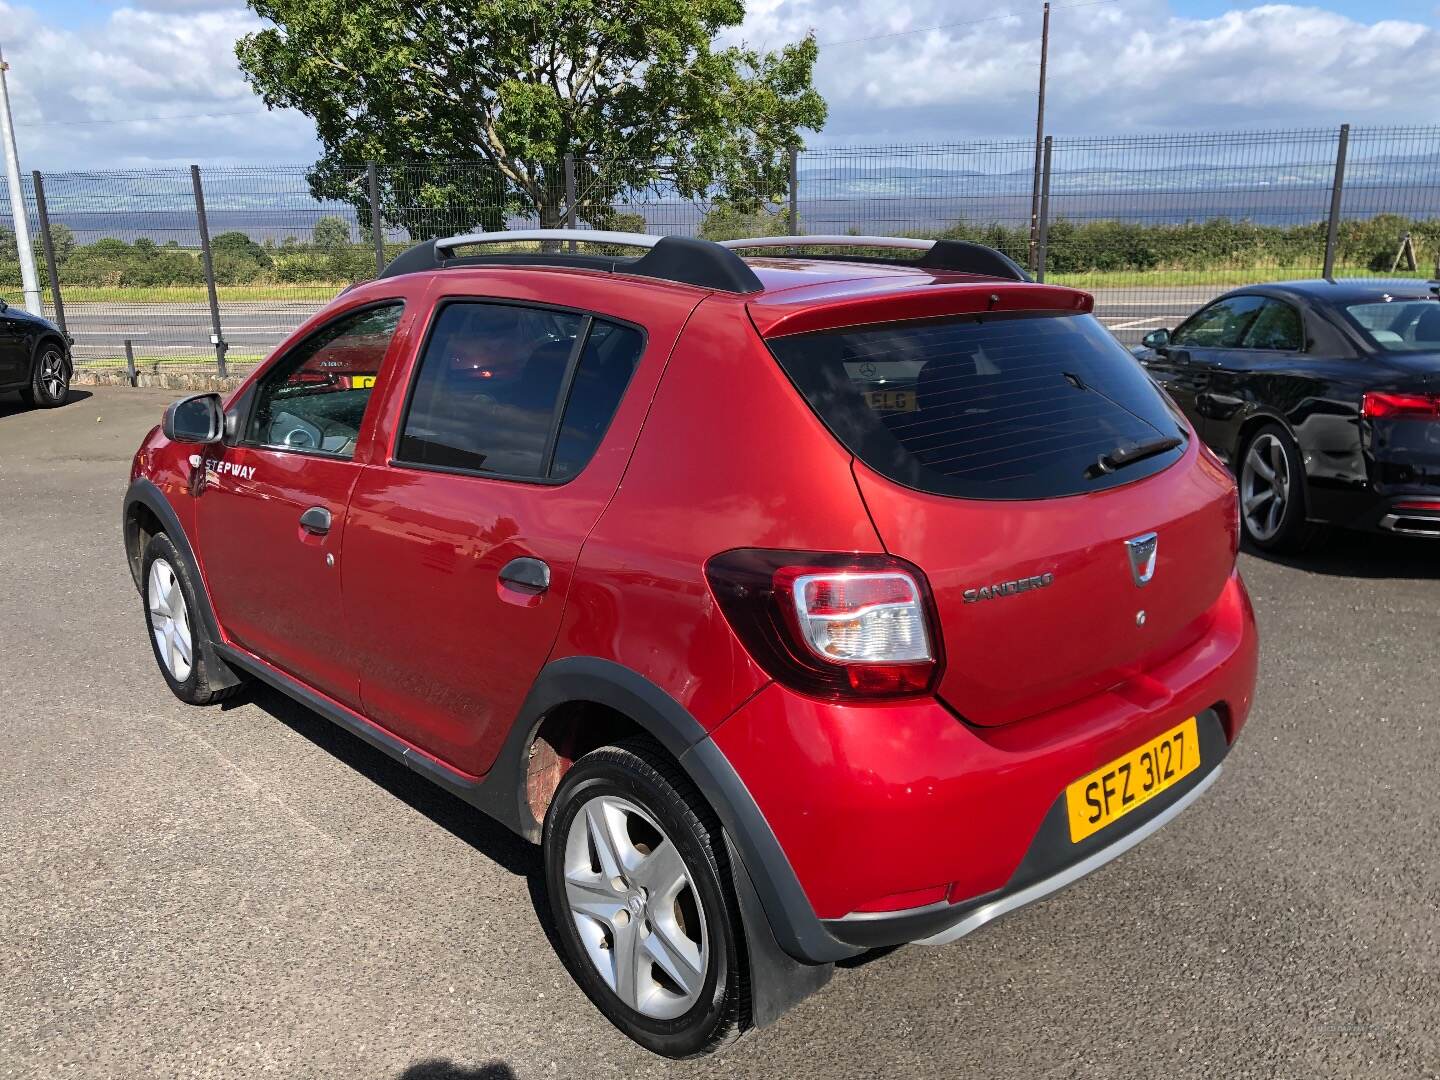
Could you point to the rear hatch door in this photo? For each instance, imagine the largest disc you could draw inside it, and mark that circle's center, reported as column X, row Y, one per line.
column 1023, row 460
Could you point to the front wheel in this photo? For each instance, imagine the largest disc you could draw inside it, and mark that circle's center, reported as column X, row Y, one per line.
column 641, row 895
column 50, row 384
column 177, row 638
column 1272, row 491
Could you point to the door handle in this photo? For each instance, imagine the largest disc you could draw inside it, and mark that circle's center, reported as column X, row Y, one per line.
column 316, row 520
column 532, row 575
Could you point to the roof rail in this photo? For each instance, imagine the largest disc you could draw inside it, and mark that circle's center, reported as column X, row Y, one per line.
column 670, row 258
column 959, row 256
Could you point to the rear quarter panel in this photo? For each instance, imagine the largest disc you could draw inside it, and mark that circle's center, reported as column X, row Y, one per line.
column 730, row 456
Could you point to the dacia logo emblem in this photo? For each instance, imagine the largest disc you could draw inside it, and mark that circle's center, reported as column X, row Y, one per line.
column 1142, row 551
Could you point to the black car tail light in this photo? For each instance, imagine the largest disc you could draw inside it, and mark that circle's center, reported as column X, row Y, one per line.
column 1381, row 405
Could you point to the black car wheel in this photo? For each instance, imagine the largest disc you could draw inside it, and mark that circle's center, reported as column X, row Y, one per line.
column 50, row 382
column 642, row 900
column 1272, row 491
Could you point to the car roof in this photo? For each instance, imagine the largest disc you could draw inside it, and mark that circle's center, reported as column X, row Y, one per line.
column 1347, row 290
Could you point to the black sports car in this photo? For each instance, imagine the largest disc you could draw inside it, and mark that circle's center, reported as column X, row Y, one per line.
column 1323, row 396
column 34, row 358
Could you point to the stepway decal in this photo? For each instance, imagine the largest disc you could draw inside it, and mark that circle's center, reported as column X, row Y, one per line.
column 216, row 467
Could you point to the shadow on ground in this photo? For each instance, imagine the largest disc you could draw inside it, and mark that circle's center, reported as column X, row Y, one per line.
column 1342, row 553
column 441, row 1069
column 488, row 837
column 10, row 403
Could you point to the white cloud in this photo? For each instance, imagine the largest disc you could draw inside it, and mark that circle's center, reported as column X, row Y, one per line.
column 77, row 93
column 1131, row 66
column 1114, row 68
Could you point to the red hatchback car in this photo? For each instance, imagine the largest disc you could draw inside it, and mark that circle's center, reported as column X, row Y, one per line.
column 797, row 606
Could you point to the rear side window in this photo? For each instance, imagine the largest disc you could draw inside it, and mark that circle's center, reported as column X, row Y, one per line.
column 516, row 391
column 985, row 407
column 1276, row 327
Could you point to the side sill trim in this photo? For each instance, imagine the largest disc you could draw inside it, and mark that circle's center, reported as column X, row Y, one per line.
column 1041, row 889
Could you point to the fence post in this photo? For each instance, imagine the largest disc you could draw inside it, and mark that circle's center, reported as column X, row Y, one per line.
column 49, row 243
column 794, row 223
column 372, row 175
column 216, row 338
column 1042, row 232
column 129, row 362
column 570, row 219
column 1337, row 191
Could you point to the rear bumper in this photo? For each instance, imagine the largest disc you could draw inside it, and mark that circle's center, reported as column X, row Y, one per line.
column 1051, row 863
column 902, row 823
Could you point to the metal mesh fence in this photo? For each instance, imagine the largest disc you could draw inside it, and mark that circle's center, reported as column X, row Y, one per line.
column 1153, row 225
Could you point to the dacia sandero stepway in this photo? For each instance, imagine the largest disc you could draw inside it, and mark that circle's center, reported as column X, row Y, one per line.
column 801, row 596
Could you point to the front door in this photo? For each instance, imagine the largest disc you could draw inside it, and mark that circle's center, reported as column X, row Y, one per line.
column 271, row 513
column 14, row 349
column 1186, row 366
column 460, row 551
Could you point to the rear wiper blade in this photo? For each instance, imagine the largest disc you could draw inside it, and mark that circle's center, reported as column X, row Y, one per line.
column 1128, row 455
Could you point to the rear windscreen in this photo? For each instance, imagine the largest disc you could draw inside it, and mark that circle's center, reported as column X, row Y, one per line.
column 986, row 407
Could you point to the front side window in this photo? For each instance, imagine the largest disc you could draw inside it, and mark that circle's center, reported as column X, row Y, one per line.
column 314, row 398
column 1277, row 327
column 495, row 377
column 1220, row 326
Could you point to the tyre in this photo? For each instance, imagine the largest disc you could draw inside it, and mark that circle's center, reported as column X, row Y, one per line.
column 1272, row 491
column 640, row 890
column 176, row 636
column 50, row 382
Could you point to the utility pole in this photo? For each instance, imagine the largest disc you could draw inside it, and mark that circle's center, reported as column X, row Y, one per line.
column 1039, row 141
column 29, row 282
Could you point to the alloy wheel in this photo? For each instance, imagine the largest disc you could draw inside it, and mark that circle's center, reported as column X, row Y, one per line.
column 53, row 377
column 1265, row 486
column 635, row 907
column 170, row 621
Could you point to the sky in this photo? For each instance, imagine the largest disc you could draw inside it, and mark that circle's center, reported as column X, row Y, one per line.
column 101, row 84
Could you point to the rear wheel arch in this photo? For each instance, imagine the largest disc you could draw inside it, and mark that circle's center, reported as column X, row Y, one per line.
column 582, row 683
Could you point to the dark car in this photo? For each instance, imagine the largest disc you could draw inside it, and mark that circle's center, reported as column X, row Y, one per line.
column 34, row 358
column 748, row 588
column 1323, row 397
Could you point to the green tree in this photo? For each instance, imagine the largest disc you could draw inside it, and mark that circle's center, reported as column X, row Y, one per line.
column 331, row 233
column 634, row 89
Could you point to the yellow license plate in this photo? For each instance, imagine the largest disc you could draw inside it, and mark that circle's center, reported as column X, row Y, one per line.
column 892, row 400
column 1113, row 790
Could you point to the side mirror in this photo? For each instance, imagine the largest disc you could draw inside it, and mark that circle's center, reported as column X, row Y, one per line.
column 196, row 419
column 4, row 305
column 1156, row 339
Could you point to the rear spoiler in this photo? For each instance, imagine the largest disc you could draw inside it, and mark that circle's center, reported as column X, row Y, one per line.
column 882, row 301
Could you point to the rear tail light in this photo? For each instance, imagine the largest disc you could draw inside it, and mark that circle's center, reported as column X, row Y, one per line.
column 831, row 625
column 1426, row 505
column 1385, row 406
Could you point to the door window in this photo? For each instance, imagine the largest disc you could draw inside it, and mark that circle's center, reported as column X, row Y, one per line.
column 314, row 398
column 1277, row 327
column 494, row 378
column 1220, row 326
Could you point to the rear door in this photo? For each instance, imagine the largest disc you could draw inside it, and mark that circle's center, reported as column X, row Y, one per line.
column 271, row 515
column 991, row 480
column 461, row 547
